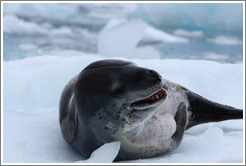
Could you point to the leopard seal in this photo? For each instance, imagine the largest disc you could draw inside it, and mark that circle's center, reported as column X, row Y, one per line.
column 115, row 100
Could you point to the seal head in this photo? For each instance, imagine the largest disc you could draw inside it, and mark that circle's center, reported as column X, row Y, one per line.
column 112, row 94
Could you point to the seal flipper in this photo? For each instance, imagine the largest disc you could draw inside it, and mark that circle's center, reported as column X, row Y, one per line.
column 205, row 111
column 68, row 116
column 181, row 121
column 69, row 126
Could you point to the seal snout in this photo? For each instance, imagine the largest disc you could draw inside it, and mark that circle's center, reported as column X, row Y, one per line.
column 152, row 76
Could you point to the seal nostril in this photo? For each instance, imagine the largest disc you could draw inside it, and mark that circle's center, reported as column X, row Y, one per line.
column 152, row 76
column 151, row 71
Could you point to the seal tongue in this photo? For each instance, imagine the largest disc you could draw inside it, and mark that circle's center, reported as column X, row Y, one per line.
column 150, row 100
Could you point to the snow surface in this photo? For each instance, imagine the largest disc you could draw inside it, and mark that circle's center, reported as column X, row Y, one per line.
column 32, row 88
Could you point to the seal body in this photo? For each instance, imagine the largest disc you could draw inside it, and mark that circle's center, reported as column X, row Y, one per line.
column 114, row 100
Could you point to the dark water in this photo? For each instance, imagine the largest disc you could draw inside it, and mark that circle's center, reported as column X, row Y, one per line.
column 202, row 50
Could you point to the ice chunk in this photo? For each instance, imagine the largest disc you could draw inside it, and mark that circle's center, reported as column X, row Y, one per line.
column 154, row 34
column 225, row 40
column 192, row 16
column 108, row 10
column 120, row 39
column 12, row 24
column 53, row 10
column 194, row 34
column 105, row 154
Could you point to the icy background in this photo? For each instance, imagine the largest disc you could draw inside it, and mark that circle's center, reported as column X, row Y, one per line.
column 183, row 31
column 44, row 45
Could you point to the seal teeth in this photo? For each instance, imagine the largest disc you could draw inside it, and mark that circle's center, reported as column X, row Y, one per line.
column 151, row 99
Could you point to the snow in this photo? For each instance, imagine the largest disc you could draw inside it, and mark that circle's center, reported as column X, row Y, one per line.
column 205, row 147
column 32, row 88
column 216, row 56
column 145, row 52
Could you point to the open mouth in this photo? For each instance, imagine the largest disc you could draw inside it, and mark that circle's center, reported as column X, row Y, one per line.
column 151, row 100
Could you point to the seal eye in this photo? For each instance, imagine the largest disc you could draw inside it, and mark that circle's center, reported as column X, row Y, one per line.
column 118, row 91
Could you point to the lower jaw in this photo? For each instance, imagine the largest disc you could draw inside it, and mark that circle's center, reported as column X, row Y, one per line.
column 152, row 105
